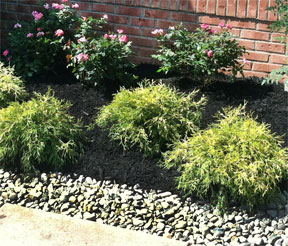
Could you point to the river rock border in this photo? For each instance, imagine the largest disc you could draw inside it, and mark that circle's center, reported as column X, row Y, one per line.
column 155, row 212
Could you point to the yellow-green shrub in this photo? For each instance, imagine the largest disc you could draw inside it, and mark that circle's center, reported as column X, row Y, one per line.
column 39, row 135
column 151, row 117
column 235, row 160
column 11, row 86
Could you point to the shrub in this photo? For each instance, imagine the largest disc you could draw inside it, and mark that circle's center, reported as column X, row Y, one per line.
column 39, row 135
column 35, row 47
column 11, row 86
column 235, row 160
column 100, row 61
column 151, row 117
column 200, row 54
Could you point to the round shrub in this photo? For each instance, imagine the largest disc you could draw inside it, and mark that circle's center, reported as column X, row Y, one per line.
column 11, row 87
column 235, row 160
column 39, row 135
column 151, row 117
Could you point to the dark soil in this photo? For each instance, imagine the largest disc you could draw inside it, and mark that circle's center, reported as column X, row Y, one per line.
column 105, row 159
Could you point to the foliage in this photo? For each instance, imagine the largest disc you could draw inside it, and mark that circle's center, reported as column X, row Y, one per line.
column 11, row 87
column 235, row 160
column 151, row 117
column 201, row 53
column 280, row 8
column 100, row 60
column 35, row 47
column 39, row 135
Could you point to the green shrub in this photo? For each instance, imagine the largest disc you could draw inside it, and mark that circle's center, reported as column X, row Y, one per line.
column 235, row 160
column 11, row 86
column 39, row 135
column 151, row 117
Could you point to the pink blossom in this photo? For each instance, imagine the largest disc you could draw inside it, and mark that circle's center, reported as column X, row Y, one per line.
column 123, row 38
column 38, row 29
column 6, row 52
column 79, row 57
column 58, row 6
column 106, row 35
column 75, row 6
column 85, row 57
column 64, row 1
column 245, row 61
column 113, row 36
column 82, row 40
column 229, row 26
column 120, row 31
column 46, row 6
column 213, row 30
column 209, row 53
column 9, row 59
column 84, row 18
column 105, row 17
column 30, row 35
column 39, row 34
column 205, row 26
column 222, row 24
column 59, row 32
column 37, row 15
column 17, row 25
column 158, row 32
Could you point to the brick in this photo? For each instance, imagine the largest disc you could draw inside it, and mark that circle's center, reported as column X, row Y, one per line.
column 202, row 6
column 277, row 37
column 242, row 8
column 174, row 4
column 142, row 60
column 118, row 19
column 143, row 22
column 255, row 74
column 192, row 5
column 130, row 30
column 279, row 59
column 155, row 3
column 210, row 20
column 271, row 15
column 262, row 12
column 249, row 44
column 159, row 14
column 183, row 17
column 231, row 8
column 242, row 24
column 147, row 32
column 143, row 42
column 84, row 6
column 270, row 47
column 164, row 4
column 183, row 5
column 257, row 56
column 235, row 32
column 249, row 34
column 129, row 11
column 191, row 27
column 146, row 3
column 166, row 24
column 264, row 67
column 142, row 51
column 263, row 27
column 221, row 7
column 252, row 9
column 103, row 8
column 211, row 7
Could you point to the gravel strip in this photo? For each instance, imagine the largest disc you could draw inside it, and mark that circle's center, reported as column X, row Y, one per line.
column 156, row 212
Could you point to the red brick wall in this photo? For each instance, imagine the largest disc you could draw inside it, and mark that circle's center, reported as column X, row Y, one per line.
column 138, row 18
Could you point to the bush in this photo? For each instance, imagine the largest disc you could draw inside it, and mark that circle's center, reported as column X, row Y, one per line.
column 235, row 160
column 151, row 117
column 200, row 54
column 39, row 135
column 100, row 61
column 11, row 86
column 35, row 47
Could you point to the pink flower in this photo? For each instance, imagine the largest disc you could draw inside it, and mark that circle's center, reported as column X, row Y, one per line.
column 17, row 25
column 84, row 18
column 105, row 17
column 75, row 6
column 39, row 34
column 123, row 38
column 46, row 6
column 222, row 24
column 205, row 26
column 245, row 61
column 213, row 30
column 30, row 35
column 59, row 32
column 64, row 1
column 9, row 59
column 85, row 57
column 38, row 29
column 37, row 15
column 113, row 36
column 6, row 52
column 229, row 26
column 82, row 40
column 58, row 6
column 209, row 53
column 158, row 32
column 120, row 31
column 79, row 57
column 106, row 35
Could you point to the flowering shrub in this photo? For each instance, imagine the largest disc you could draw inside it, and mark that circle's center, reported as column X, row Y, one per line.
column 151, row 117
column 200, row 54
column 35, row 47
column 236, row 159
column 100, row 60
column 39, row 135
column 280, row 8
column 11, row 86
